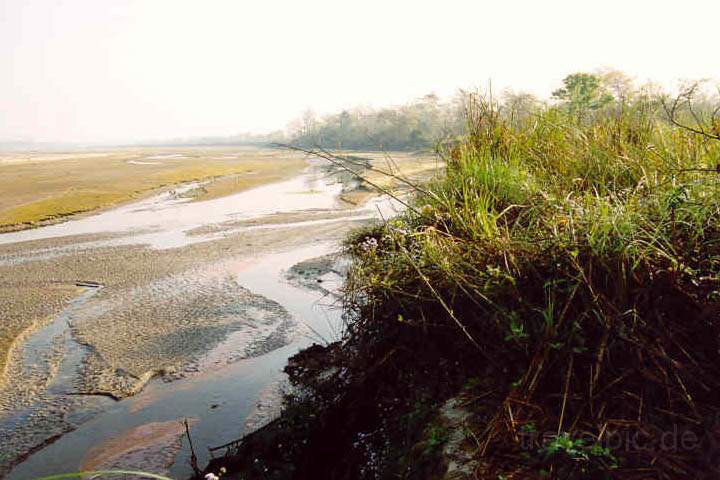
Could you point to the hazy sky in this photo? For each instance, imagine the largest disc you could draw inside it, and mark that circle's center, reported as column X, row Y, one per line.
column 110, row 70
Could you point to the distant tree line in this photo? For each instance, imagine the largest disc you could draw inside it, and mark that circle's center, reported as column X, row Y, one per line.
column 414, row 126
column 428, row 121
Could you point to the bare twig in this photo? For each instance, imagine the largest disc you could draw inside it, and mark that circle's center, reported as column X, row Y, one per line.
column 193, row 457
column 342, row 162
column 686, row 98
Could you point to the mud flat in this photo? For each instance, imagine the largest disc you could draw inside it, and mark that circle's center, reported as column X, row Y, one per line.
column 194, row 317
column 159, row 312
column 236, row 379
column 173, row 306
column 150, row 447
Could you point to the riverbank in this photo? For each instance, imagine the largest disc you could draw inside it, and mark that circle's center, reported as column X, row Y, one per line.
column 182, row 294
column 549, row 309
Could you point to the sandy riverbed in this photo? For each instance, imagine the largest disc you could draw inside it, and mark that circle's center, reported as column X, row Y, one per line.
column 173, row 309
column 159, row 312
column 181, row 295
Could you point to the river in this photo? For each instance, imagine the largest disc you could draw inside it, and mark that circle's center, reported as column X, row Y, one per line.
column 179, row 310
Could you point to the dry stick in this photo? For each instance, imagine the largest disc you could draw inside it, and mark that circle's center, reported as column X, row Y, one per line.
column 600, row 356
column 512, row 422
column 193, row 457
column 340, row 164
column 338, row 161
column 372, row 168
column 565, row 396
column 489, row 431
column 671, row 112
column 226, row 445
column 542, row 352
column 390, row 162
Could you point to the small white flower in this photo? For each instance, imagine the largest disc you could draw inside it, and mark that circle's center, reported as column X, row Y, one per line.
column 369, row 244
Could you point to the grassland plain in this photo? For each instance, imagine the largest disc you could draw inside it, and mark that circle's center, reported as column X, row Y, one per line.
column 46, row 187
column 550, row 308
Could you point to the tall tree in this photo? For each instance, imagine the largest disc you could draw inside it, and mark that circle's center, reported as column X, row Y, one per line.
column 617, row 83
column 582, row 92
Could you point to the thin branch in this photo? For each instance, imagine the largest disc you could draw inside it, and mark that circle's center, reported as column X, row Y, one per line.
column 340, row 162
column 685, row 97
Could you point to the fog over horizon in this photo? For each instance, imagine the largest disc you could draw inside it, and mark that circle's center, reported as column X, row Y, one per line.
column 116, row 71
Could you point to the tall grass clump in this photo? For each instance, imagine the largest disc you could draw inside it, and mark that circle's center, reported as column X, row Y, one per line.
column 565, row 271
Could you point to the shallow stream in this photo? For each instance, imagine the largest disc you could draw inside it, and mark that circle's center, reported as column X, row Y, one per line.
column 219, row 391
column 220, row 400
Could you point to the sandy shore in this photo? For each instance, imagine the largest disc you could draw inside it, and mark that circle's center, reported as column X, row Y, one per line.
column 149, row 448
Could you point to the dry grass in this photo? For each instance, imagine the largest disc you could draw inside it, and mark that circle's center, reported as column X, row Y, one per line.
column 568, row 268
column 41, row 187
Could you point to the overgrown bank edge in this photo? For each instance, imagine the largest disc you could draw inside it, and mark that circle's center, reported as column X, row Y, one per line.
column 549, row 308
